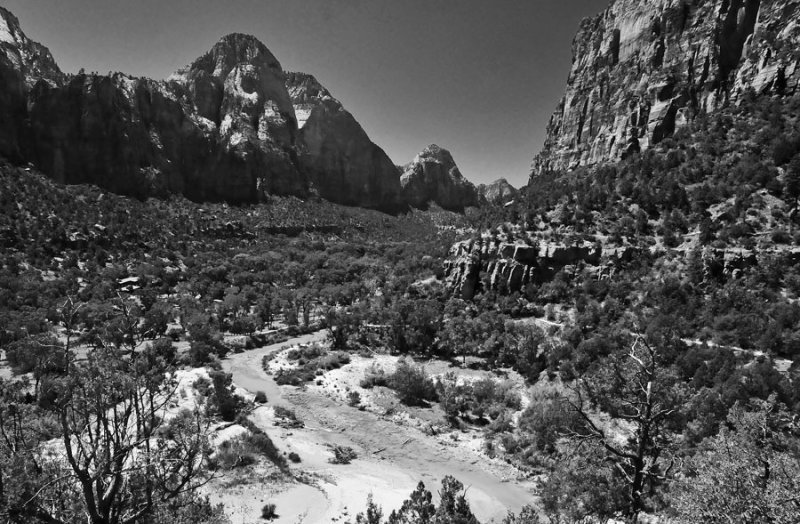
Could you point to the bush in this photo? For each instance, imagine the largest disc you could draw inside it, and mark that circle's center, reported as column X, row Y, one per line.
column 312, row 361
column 261, row 397
column 268, row 512
column 343, row 455
column 353, row 399
column 412, row 384
column 374, row 376
column 294, row 457
column 287, row 418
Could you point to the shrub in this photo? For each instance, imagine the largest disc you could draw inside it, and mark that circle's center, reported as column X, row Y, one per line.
column 374, row 376
column 224, row 402
column 343, row 455
column 412, row 384
column 294, row 457
column 312, row 361
column 353, row 399
column 287, row 418
column 261, row 397
column 268, row 512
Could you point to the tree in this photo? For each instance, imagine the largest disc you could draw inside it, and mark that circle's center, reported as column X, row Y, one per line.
column 453, row 506
column 125, row 455
column 639, row 390
column 749, row 472
column 791, row 182
column 374, row 513
column 418, row 508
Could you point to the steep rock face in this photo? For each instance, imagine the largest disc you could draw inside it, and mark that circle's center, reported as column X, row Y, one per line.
column 22, row 64
column 510, row 266
column 498, row 192
column 642, row 69
column 343, row 164
column 222, row 128
column 434, row 177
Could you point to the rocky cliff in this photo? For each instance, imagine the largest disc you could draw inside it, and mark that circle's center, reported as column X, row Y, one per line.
column 434, row 177
column 642, row 69
column 343, row 164
column 498, row 192
column 504, row 265
column 22, row 64
column 225, row 127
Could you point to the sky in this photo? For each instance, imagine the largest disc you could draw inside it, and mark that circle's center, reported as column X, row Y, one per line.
column 480, row 78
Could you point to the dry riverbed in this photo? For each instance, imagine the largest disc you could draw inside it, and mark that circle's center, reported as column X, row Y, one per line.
column 394, row 451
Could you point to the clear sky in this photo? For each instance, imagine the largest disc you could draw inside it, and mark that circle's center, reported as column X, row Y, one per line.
column 478, row 77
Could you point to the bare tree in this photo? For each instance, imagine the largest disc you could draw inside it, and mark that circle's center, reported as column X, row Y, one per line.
column 117, row 443
column 643, row 395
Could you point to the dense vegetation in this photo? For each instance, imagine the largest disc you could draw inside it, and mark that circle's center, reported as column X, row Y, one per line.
column 668, row 386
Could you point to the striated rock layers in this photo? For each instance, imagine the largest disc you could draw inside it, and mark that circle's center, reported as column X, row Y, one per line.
column 434, row 177
column 223, row 128
column 498, row 192
column 643, row 68
column 334, row 150
column 509, row 267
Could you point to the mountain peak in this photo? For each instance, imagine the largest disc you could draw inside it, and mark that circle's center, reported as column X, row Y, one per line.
column 433, row 176
column 231, row 51
column 30, row 59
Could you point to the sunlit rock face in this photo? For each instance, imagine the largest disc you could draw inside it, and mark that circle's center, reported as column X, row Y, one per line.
column 498, row 192
column 644, row 68
column 434, row 177
column 343, row 164
column 223, row 128
column 508, row 266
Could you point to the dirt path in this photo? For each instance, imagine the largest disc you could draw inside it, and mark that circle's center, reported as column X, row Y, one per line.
column 392, row 458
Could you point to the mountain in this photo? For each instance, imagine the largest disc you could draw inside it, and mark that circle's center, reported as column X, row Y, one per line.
column 498, row 192
column 223, row 128
column 643, row 69
column 344, row 165
column 22, row 63
column 434, row 177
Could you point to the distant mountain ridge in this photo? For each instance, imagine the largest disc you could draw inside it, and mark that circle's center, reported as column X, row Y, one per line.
column 231, row 126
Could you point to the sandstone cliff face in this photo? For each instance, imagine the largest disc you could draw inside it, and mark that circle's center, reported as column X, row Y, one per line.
column 498, row 192
column 434, row 177
column 507, row 266
column 642, row 69
column 343, row 164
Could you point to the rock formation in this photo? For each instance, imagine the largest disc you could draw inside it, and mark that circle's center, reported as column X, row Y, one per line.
column 22, row 64
column 434, row 177
column 642, row 69
column 498, row 192
column 223, row 128
column 509, row 266
column 343, row 164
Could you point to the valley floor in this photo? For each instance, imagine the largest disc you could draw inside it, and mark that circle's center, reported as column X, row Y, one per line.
column 392, row 458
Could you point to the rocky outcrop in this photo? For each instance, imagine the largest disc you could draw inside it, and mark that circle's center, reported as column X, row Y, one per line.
column 342, row 163
column 434, row 177
column 642, row 69
column 507, row 267
column 498, row 192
